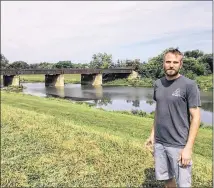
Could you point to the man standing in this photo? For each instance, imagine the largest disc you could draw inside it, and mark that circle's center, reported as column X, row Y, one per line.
column 176, row 123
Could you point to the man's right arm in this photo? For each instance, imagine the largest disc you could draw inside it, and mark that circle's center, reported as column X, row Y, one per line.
column 150, row 140
column 152, row 135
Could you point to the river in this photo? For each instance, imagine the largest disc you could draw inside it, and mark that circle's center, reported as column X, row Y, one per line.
column 113, row 98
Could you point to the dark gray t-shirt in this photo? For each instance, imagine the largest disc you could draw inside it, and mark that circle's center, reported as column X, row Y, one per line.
column 173, row 100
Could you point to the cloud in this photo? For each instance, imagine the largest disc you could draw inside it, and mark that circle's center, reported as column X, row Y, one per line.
column 52, row 31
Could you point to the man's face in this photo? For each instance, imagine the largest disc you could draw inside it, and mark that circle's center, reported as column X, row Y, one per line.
column 172, row 64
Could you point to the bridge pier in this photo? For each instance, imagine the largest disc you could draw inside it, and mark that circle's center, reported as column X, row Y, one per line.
column 133, row 75
column 11, row 80
column 55, row 80
column 92, row 79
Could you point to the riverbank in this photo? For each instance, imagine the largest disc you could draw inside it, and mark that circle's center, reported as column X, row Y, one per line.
column 145, row 82
column 56, row 142
column 204, row 82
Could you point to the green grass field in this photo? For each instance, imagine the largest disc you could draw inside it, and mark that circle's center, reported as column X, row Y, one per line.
column 69, row 78
column 54, row 142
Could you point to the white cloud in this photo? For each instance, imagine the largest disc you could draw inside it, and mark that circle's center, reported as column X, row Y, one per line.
column 52, row 31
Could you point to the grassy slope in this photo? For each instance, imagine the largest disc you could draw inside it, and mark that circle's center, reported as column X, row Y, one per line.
column 53, row 142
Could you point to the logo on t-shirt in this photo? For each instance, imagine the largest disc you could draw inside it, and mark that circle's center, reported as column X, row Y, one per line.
column 176, row 93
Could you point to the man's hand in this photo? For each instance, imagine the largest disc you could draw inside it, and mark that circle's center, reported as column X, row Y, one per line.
column 185, row 156
column 149, row 143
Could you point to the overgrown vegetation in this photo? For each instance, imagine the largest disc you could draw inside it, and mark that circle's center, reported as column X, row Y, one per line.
column 13, row 88
column 146, row 82
column 205, row 82
column 56, row 143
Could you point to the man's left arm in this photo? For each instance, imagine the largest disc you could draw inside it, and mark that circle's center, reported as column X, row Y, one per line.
column 194, row 102
column 194, row 126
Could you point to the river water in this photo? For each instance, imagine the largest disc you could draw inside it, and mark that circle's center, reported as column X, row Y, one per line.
column 113, row 98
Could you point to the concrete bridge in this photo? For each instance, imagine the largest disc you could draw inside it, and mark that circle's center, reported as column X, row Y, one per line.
column 55, row 77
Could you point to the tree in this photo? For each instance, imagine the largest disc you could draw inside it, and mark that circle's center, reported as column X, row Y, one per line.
column 154, row 68
column 4, row 62
column 194, row 54
column 19, row 65
column 118, row 63
column 34, row 66
column 64, row 64
column 207, row 61
column 136, row 64
column 45, row 65
column 84, row 65
column 192, row 65
column 101, row 60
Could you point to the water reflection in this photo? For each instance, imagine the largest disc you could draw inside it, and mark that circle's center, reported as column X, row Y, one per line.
column 135, row 103
column 151, row 102
column 98, row 91
column 55, row 91
column 207, row 106
column 104, row 101
column 113, row 98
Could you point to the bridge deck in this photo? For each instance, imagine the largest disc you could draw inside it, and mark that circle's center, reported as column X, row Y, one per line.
column 63, row 71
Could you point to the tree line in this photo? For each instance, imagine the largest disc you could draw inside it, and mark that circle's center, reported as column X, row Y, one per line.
column 100, row 60
column 195, row 63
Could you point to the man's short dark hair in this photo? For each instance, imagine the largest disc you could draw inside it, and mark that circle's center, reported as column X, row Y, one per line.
column 174, row 51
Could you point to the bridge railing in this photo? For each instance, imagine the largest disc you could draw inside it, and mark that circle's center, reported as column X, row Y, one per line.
column 63, row 71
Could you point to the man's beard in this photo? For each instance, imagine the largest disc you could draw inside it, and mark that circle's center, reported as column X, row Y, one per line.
column 171, row 72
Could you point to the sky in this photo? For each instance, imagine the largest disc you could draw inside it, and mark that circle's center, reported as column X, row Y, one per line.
column 52, row 31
